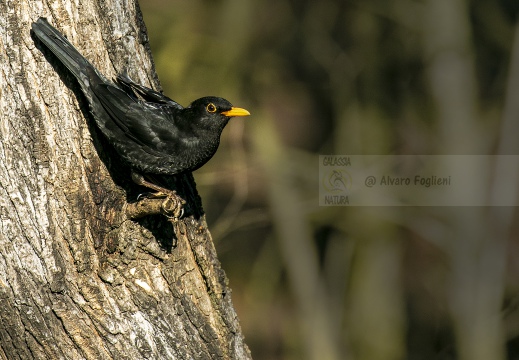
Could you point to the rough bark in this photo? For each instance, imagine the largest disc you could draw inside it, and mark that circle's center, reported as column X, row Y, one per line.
column 78, row 279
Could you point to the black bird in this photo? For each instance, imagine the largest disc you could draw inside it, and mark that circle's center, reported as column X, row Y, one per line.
column 151, row 132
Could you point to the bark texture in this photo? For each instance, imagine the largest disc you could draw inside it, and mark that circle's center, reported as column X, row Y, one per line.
column 78, row 279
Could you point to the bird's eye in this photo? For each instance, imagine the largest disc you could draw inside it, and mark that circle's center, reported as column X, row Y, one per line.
column 211, row 108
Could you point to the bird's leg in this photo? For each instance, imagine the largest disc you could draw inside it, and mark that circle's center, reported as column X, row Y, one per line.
column 140, row 180
column 172, row 205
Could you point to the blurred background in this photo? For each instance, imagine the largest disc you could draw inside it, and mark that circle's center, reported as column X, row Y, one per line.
column 353, row 77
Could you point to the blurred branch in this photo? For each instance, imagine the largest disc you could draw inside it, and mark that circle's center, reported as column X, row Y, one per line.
column 375, row 299
column 475, row 249
column 297, row 248
column 508, row 143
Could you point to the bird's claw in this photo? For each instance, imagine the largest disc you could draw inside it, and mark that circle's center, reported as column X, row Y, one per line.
column 172, row 206
column 142, row 196
column 155, row 195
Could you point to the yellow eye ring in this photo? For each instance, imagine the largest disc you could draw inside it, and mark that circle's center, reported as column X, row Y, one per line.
column 210, row 108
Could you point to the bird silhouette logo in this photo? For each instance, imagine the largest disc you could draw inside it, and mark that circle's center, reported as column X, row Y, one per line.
column 337, row 181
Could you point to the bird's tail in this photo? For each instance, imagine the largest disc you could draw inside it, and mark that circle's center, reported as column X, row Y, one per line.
column 63, row 49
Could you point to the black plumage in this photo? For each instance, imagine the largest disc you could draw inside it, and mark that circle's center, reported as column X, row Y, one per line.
column 151, row 132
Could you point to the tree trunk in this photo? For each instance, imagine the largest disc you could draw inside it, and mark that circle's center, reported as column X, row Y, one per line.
column 78, row 279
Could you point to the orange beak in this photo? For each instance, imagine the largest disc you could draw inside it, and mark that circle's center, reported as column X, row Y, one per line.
column 236, row 111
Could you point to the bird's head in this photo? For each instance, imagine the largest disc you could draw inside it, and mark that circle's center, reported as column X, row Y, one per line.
column 212, row 112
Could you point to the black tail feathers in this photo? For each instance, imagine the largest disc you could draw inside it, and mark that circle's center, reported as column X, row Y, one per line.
column 76, row 63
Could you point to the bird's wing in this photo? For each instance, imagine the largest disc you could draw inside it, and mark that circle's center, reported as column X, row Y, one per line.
column 149, row 125
column 145, row 92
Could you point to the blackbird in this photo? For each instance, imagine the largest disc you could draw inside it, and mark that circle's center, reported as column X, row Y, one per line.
column 151, row 132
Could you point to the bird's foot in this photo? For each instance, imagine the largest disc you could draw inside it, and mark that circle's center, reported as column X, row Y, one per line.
column 173, row 206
